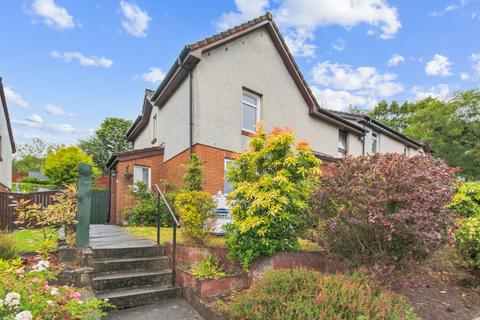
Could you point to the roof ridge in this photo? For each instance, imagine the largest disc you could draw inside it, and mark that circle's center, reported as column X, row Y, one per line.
column 230, row 31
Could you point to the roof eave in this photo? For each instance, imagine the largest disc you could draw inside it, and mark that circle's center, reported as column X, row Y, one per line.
column 7, row 117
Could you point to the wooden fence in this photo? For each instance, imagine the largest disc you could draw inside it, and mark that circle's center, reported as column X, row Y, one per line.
column 7, row 212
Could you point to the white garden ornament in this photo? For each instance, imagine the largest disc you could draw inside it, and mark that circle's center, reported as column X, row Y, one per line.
column 41, row 265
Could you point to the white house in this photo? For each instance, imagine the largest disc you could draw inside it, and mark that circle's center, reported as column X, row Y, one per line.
column 7, row 145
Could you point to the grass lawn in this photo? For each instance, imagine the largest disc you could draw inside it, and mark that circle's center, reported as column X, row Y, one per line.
column 27, row 240
column 166, row 235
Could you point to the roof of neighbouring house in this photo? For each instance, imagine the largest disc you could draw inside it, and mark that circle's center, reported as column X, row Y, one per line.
column 371, row 122
column 5, row 111
column 132, row 155
column 190, row 56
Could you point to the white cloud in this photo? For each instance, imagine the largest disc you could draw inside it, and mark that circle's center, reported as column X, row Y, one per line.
column 368, row 80
column 450, row 7
column 68, row 56
column 337, row 86
column 337, row 100
column 62, row 128
column 440, row 91
column 154, row 75
column 339, row 45
column 464, row 76
column 135, row 20
column 395, row 60
column 54, row 110
column 35, row 118
column 299, row 19
column 247, row 10
column 475, row 58
column 15, row 98
column 438, row 66
column 52, row 14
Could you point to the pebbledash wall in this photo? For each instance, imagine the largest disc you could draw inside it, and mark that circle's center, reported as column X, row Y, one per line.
column 172, row 170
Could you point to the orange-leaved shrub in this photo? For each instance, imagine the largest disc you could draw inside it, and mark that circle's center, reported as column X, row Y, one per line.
column 384, row 208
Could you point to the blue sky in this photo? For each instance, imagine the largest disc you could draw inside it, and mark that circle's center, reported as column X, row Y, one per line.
column 66, row 65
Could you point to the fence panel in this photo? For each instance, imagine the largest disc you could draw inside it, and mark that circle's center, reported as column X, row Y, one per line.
column 99, row 213
column 7, row 212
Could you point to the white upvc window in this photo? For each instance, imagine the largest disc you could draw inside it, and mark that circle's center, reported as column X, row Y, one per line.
column 154, row 127
column 342, row 144
column 143, row 174
column 227, row 185
column 374, row 142
column 250, row 111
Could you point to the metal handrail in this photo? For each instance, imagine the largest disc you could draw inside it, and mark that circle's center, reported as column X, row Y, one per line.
column 175, row 225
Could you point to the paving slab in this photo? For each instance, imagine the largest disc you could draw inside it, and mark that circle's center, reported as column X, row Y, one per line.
column 106, row 236
column 174, row 309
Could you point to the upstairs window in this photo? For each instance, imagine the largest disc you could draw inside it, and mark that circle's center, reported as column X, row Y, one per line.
column 374, row 142
column 154, row 127
column 141, row 173
column 342, row 144
column 250, row 111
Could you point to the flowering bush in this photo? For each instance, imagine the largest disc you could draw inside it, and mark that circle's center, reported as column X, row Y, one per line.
column 304, row 294
column 271, row 185
column 384, row 207
column 466, row 201
column 29, row 294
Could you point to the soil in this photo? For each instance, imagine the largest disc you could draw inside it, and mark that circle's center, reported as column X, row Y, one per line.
column 439, row 289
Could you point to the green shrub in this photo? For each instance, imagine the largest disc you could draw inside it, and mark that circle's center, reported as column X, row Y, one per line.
column 271, row 187
column 467, row 241
column 466, row 201
column 195, row 209
column 8, row 249
column 35, row 181
column 302, row 295
column 194, row 176
column 209, row 268
column 145, row 212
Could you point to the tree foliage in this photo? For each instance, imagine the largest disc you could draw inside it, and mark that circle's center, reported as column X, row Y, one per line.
column 195, row 209
column 451, row 128
column 110, row 138
column 466, row 201
column 61, row 166
column 194, row 176
column 30, row 157
column 384, row 208
column 271, row 183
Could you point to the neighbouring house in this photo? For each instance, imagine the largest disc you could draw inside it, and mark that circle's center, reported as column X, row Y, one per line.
column 7, row 144
column 210, row 101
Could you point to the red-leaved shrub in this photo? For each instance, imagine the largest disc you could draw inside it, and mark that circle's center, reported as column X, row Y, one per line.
column 384, row 208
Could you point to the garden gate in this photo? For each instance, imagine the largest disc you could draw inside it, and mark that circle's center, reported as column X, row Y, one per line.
column 100, row 207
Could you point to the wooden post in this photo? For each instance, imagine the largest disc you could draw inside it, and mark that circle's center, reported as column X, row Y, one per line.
column 84, row 205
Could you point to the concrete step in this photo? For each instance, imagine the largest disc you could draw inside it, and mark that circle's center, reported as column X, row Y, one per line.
column 130, row 264
column 130, row 279
column 131, row 297
column 127, row 252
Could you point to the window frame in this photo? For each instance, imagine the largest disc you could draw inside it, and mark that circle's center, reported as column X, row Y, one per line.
column 344, row 151
column 375, row 141
column 226, row 162
column 135, row 180
column 258, row 98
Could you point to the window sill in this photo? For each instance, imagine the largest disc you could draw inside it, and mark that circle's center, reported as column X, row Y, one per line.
column 153, row 140
column 248, row 133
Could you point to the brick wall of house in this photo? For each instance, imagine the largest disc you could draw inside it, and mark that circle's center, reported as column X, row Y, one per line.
column 3, row 188
column 172, row 171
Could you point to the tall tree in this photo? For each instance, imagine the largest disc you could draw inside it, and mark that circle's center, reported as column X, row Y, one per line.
column 31, row 156
column 108, row 139
column 451, row 128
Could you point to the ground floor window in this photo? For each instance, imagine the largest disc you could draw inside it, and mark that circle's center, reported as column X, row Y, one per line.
column 227, row 186
column 141, row 173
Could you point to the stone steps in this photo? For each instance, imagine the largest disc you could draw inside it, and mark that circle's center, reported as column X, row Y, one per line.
column 132, row 297
column 130, row 264
column 132, row 276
